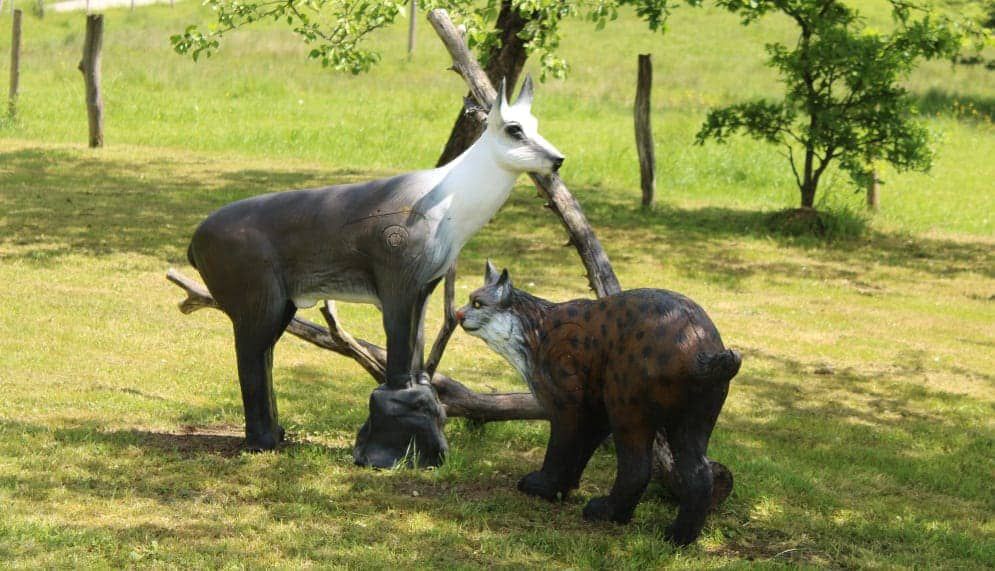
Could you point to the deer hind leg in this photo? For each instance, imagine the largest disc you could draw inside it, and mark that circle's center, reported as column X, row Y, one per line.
column 256, row 332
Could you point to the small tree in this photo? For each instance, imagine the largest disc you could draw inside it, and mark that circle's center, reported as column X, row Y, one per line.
column 843, row 101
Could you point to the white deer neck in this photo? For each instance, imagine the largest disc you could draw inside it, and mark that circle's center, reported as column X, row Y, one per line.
column 476, row 186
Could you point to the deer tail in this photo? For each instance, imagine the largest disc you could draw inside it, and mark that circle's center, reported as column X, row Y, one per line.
column 718, row 367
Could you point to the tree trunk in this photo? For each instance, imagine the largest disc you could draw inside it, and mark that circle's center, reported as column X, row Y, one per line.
column 90, row 66
column 808, row 182
column 808, row 195
column 644, row 133
column 505, row 61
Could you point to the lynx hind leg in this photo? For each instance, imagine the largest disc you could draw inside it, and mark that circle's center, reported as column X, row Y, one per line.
column 689, row 442
column 634, row 449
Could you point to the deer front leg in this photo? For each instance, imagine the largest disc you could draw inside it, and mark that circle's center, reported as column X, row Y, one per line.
column 404, row 324
column 402, row 340
column 406, row 419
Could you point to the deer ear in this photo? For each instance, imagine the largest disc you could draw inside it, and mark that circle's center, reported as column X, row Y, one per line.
column 500, row 102
column 490, row 273
column 525, row 95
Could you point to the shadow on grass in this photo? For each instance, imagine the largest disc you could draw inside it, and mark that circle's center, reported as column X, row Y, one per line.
column 61, row 202
column 936, row 101
column 822, row 468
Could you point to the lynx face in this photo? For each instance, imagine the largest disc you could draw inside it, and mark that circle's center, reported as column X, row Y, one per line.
column 490, row 316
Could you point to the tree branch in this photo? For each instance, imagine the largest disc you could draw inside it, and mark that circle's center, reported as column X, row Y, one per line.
column 794, row 168
column 601, row 277
column 448, row 323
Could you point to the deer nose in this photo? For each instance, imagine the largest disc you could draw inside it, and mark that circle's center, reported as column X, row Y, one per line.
column 557, row 161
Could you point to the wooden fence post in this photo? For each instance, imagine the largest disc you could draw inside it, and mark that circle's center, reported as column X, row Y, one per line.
column 15, row 64
column 412, row 16
column 644, row 134
column 90, row 66
column 872, row 190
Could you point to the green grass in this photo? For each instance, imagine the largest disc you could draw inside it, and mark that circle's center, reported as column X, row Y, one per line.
column 119, row 416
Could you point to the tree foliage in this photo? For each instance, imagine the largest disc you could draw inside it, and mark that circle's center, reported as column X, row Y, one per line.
column 843, row 99
column 335, row 29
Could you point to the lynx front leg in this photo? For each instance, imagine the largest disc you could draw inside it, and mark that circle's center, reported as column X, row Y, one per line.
column 573, row 438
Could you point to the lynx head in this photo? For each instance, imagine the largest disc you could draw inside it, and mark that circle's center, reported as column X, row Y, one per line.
column 487, row 313
column 514, row 136
column 491, row 315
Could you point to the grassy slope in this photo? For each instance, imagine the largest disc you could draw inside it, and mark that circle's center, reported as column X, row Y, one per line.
column 119, row 423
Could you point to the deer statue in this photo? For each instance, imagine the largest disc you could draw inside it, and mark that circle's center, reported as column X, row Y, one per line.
column 387, row 242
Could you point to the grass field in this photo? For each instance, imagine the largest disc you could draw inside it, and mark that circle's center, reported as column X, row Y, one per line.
column 119, row 417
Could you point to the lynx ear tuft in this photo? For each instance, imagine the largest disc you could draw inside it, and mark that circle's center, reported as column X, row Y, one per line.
column 490, row 273
column 504, row 287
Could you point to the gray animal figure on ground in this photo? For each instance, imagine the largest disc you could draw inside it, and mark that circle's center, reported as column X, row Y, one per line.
column 386, row 242
column 630, row 364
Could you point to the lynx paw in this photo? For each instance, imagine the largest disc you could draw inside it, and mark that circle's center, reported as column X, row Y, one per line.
column 536, row 484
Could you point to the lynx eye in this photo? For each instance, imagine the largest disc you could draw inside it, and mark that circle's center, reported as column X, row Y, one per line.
column 514, row 130
column 476, row 304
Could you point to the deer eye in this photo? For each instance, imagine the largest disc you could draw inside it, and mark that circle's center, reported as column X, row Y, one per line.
column 476, row 304
column 514, row 130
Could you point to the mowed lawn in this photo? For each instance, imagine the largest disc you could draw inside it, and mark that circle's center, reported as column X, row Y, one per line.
column 859, row 431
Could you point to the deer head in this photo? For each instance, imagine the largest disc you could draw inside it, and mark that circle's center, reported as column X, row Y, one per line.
column 513, row 134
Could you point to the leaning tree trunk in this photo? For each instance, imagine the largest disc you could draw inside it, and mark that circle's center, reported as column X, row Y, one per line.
column 504, row 61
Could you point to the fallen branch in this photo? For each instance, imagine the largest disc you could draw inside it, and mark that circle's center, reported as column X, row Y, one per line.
column 459, row 400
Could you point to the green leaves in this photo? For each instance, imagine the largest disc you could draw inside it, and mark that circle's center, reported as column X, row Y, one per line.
column 337, row 28
column 764, row 120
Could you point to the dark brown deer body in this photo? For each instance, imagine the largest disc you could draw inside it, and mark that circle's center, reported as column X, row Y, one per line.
column 629, row 365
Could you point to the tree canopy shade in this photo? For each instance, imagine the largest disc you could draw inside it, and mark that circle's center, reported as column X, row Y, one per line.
column 843, row 101
column 336, row 28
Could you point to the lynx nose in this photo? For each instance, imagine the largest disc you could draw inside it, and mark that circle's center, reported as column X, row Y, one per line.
column 459, row 316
